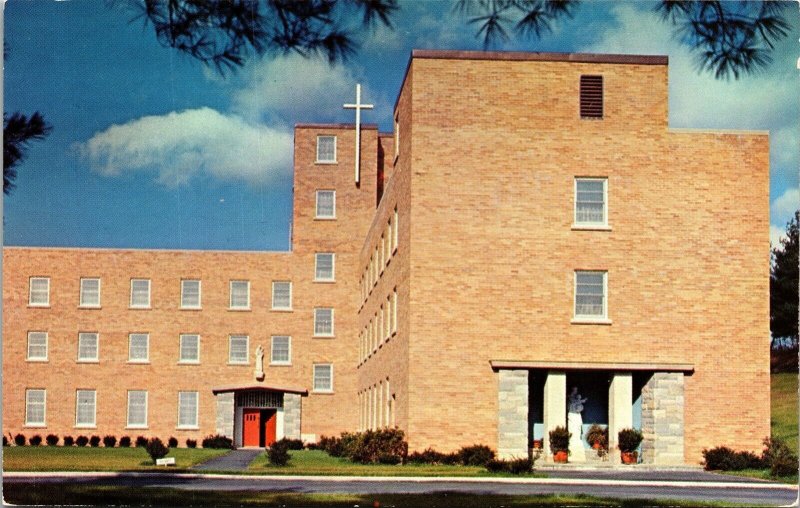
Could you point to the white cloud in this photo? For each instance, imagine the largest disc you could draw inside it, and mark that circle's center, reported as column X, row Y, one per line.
column 180, row 145
column 775, row 235
column 784, row 206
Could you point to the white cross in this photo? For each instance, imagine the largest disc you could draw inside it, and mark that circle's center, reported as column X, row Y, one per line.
column 358, row 107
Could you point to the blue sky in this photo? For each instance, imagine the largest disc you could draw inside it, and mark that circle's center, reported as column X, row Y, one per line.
column 152, row 150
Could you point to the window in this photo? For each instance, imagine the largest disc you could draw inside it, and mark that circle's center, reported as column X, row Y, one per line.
column 382, row 253
column 323, row 377
column 39, row 295
column 140, row 293
column 324, row 269
column 240, row 294
column 239, row 350
column 591, row 97
column 190, row 294
column 190, row 349
column 88, row 347
column 396, row 137
column 388, row 244
column 394, row 311
column 326, row 204
column 85, row 405
column 326, row 149
column 187, row 410
column 35, row 407
column 323, row 322
column 37, row 346
column 590, row 294
column 281, row 350
column 137, row 409
column 388, row 320
column 590, row 201
column 138, row 347
column 90, row 293
column 281, row 295
column 394, row 231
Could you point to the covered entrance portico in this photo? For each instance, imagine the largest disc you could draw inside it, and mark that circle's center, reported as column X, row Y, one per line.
column 258, row 415
column 532, row 401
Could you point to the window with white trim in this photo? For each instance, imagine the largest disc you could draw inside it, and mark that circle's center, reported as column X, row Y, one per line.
column 139, row 347
column 396, row 137
column 85, row 408
column 388, row 244
column 395, row 230
column 323, row 377
column 90, row 292
column 281, row 350
column 189, row 348
column 137, row 409
column 324, row 269
column 591, row 204
column 187, row 410
column 326, row 149
column 388, row 320
column 326, row 204
column 590, row 294
column 240, row 294
column 140, row 293
column 88, row 346
column 35, row 407
column 238, row 349
column 190, row 294
column 39, row 292
column 394, row 311
column 37, row 346
column 323, row 322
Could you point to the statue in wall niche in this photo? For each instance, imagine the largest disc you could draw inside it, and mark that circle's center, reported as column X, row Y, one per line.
column 260, row 363
column 575, row 401
column 575, row 425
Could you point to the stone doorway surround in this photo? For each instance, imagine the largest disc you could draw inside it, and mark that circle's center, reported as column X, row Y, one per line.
column 662, row 404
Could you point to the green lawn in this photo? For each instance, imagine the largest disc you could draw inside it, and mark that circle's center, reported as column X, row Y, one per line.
column 58, row 458
column 784, row 408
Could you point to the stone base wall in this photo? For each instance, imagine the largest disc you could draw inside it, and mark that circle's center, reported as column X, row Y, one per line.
column 291, row 415
column 225, row 413
column 512, row 425
column 662, row 419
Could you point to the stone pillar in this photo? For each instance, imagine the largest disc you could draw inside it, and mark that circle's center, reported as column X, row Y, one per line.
column 225, row 412
column 512, row 425
column 620, row 409
column 662, row 419
column 291, row 415
column 555, row 407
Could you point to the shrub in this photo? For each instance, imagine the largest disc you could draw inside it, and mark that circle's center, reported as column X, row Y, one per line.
column 191, row 443
column 293, row 444
column 514, row 466
column 367, row 447
column 82, row 441
column 475, row 455
column 217, row 441
column 559, row 439
column 109, row 441
column 385, row 458
column 723, row 458
column 5, row 441
column 599, row 435
column 124, row 442
column 431, row 456
column 35, row 440
column 51, row 439
column 156, row 449
column 19, row 440
column 629, row 440
column 141, row 441
column 172, row 442
column 68, row 441
column 780, row 460
column 278, row 453
column 94, row 441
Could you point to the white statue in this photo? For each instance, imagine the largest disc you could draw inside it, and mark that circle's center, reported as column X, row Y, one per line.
column 575, row 426
column 575, row 401
column 259, row 363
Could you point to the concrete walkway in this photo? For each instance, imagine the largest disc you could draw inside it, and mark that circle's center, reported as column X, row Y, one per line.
column 235, row 460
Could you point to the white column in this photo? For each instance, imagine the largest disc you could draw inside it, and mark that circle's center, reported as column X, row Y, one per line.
column 620, row 409
column 555, row 406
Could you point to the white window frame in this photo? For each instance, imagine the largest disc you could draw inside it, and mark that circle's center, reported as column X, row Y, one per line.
column 196, row 424
column 587, row 224
column 81, row 336
column 317, row 278
column 128, row 424
column 333, row 322
column 31, row 303
column 149, row 287
column 28, row 356
column 28, row 406
column 317, row 215
column 130, row 347
column 590, row 318
column 180, row 348
column 314, row 378
column 230, row 299
column 246, row 360
column 272, row 359
column 93, row 423
column 81, row 302
column 394, row 312
column 396, row 137
column 335, row 148
column 289, row 307
column 395, row 231
column 199, row 294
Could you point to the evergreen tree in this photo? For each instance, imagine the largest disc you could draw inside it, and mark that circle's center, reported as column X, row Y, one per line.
column 783, row 294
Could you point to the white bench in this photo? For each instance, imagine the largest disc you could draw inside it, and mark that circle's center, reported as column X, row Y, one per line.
column 167, row 461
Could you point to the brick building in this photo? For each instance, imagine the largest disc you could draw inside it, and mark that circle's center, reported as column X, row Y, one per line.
column 531, row 224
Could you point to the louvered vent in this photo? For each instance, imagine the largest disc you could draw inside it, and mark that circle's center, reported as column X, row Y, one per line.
column 591, row 96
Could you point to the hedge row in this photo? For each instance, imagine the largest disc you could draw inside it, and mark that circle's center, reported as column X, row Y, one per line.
column 384, row 446
column 776, row 456
column 111, row 441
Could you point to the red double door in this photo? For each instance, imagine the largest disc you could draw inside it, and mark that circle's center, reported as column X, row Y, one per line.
column 258, row 426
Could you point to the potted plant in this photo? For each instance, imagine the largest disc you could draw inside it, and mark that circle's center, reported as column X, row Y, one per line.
column 537, row 444
column 559, row 443
column 629, row 441
column 597, row 436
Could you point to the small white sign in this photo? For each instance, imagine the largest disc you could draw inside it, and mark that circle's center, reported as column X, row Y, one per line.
column 167, row 461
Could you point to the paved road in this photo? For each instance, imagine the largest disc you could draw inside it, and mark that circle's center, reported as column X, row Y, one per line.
column 748, row 493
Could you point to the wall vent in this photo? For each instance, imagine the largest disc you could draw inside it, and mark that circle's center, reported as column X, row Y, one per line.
column 591, row 96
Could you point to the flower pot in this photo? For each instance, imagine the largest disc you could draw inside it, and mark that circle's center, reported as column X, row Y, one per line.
column 596, row 445
column 560, row 456
column 537, row 444
column 629, row 457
